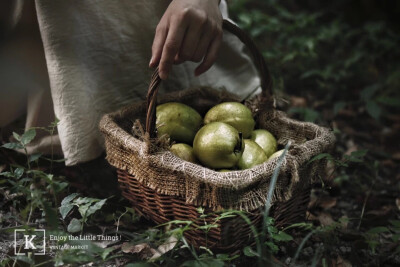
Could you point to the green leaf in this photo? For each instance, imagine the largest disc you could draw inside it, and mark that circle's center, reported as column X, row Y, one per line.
column 302, row 225
column 224, row 215
column 204, row 263
column 139, row 264
column 356, row 156
column 17, row 136
column 359, row 153
column 272, row 230
column 51, row 215
column 83, row 209
column 59, row 186
column 289, row 57
column 207, row 226
column 373, row 109
column 340, row 179
column 65, row 209
column 389, row 101
column 368, row 92
column 200, row 210
column 310, row 73
column 26, row 179
column 18, row 172
column 274, row 248
column 353, row 59
column 97, row 206
column 378, row 230
column 49, row 178
column 25, row 259
column 54, row 123
column 245, row 19
column 321, row 156
column 372, row 244
column 207, row 250
column 7, row 174
column 282, row 236
column 74, row 226
column 13, row 146
column 28, row 136
column 177, row 222
column 249, row 252
column 34, row 157
column 396, row 237
column 84, row 200
column 69, row 198
column 106, row 252
column 395, row 223
column 227, row 257
column 338, row 106
column 308, row 114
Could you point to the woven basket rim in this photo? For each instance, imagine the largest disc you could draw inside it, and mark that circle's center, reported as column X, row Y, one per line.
column 190, row 171
column 110, row 127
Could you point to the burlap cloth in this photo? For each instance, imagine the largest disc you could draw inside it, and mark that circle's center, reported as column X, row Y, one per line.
column 129, row 148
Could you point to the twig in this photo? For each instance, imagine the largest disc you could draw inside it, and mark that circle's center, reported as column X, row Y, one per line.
column 364, row 205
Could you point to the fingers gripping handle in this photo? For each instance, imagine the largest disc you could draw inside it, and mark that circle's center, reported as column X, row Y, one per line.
column 258, row 60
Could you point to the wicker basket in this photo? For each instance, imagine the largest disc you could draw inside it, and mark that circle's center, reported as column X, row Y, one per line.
column 163, row 187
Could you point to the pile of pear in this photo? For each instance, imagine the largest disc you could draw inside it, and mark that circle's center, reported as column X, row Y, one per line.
column 224, row 140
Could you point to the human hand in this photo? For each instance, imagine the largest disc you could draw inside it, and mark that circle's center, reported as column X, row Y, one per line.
column 190, row 30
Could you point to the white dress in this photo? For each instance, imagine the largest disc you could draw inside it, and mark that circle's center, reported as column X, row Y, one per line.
column 97, row 55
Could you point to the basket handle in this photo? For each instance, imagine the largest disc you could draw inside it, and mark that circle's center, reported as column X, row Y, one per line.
column 258, row 60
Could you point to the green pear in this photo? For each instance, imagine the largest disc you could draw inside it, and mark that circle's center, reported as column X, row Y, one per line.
column 277, row 154
column 184, row 152
column 178, row 120
column 234, row 114
column 265, row 140
column 218, row 145
column 252, row 155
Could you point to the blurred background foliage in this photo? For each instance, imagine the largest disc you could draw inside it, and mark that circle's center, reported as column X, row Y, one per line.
column 337, row 54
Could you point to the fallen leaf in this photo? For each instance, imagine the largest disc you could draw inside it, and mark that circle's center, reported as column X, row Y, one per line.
column 377, row 217
column 330, row 168
column 298, row 101
column 388, row 163
column 327, row 203
column 393, row 117
column 396, row 156
column 340, row 262
column 381, row 212
column 346, row 113
column 143, row 249
column 313, row 202
column 351, row 147
column 164, row 248
column 311, row 217
column 325, row 219
column 398, row 203
column 131, row 248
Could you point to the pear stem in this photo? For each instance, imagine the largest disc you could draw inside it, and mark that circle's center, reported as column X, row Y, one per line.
column 238, row 148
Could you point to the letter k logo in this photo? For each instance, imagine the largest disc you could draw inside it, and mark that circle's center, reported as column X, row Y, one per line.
column 28, row 242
